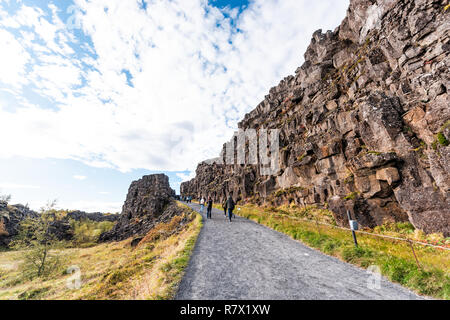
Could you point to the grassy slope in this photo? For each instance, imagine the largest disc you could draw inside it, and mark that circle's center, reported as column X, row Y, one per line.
column 114, row 270
column 394, row 258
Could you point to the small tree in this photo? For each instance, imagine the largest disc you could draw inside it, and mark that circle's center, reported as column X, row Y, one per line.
column 36, row 235
column 5, row 197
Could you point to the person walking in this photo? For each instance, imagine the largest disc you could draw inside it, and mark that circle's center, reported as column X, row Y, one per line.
column 202, row 204
column 224, row 206
column 209, row 208
column 230, row 207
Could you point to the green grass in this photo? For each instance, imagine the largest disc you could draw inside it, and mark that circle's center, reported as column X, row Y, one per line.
column 394, row 258
column 351, row 196
column 87, row 232
column 442, row 139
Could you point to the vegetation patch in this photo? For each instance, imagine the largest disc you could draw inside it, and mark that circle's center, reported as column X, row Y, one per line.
column 86, row 232
column 164, row 230
column 351, row 196
column 113, row 270
column 301, row 157
column 287, row 191
column 442, row 139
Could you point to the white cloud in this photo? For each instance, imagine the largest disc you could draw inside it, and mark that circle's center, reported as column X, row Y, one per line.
column 95, row 206
column 17, row 186
column 77, row 177
column 191, row 72
column 13, row 60
column 186, row 177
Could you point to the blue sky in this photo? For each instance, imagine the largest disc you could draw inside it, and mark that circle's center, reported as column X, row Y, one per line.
column 95, row 94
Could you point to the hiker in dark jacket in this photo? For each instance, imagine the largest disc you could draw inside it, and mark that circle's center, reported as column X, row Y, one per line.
column 224, row 206
column 230, row 207
column 209, row 208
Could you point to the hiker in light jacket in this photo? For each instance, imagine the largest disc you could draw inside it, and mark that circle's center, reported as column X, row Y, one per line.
column 202, row 204
column 230, row 207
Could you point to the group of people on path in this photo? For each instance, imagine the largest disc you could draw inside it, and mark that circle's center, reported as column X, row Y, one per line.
column 187, row 199
column 227, row 205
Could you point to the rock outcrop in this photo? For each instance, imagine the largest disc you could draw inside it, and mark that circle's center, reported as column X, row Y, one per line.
column 94, row 216
column 10, row 218
column 12, row 215
column 364, row 122
column 149, row 201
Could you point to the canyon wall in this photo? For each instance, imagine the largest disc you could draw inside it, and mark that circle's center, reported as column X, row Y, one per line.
column 364, row 122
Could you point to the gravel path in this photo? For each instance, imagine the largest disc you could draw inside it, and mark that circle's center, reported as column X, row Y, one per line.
column 245, row 260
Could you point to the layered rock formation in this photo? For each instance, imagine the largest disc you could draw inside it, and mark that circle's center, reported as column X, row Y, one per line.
column 364, row 122
column 149, row 201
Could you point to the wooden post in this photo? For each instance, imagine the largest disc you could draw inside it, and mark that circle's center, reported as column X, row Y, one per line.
column 414, row 252
column 318, row 227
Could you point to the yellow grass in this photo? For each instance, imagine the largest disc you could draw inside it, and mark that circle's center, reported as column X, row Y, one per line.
column 110, row 270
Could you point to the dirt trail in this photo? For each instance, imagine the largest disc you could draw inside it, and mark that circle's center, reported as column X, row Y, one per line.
column 245, row 260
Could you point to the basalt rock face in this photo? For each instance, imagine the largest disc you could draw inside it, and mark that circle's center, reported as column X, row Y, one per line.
column 149, row 201
column 364, row 122
column 10, row 218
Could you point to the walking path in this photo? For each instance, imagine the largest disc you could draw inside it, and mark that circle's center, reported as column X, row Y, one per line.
column 245, row 260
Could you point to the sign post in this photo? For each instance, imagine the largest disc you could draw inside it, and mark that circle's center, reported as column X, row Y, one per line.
column 354, row 226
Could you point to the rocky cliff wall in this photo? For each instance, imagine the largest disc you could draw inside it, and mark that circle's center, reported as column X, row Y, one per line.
column 364, row 122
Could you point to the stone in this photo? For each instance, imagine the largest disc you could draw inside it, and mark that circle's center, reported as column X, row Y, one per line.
column 362, row 184
column 415, row 118
column 287, row 179
column 388, row 174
